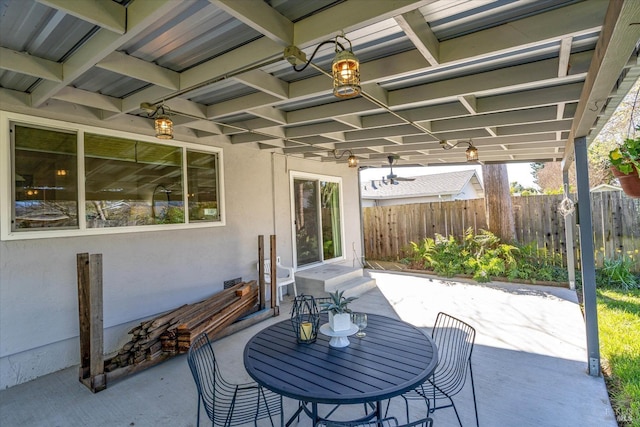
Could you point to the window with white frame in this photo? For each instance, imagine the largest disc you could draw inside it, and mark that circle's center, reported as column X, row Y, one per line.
column 118, row 183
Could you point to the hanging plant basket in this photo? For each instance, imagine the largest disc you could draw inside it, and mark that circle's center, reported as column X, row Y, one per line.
column 630, row 183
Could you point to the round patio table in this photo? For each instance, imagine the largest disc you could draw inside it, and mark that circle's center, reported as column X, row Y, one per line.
column 393, row 358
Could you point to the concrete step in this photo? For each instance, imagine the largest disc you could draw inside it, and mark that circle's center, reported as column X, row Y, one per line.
column 356, row 287
column 318, row 281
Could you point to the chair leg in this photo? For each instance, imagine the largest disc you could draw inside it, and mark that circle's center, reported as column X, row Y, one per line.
column 198, row 419
column 473, row 390
column 455, row 410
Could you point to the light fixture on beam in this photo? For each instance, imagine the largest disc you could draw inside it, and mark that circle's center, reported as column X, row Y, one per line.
column 472, row 151
column 163, row 124
column 345, row 69
column 352, row 161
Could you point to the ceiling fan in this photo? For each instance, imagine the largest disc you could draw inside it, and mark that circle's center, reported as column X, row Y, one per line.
column 393, row 178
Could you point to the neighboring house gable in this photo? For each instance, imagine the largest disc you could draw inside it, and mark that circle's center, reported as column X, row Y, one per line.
column 460, row 185
column 605, row 187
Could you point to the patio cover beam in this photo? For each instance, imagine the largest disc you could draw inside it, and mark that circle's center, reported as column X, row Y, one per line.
column 618, row 39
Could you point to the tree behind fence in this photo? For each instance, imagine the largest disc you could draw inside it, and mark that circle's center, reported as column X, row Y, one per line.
column 389, row 230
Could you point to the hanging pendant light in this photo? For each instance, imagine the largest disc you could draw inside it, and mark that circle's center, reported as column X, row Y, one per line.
column 346, row 74
column 472, row 151
column 345, row 69
column 352, row 160
column 163, row 124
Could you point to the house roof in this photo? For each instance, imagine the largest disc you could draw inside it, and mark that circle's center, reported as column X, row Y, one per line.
column 520, row 79
column 605, row 187
column 448, row 183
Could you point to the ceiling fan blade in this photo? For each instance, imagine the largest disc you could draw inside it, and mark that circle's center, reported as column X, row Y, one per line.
column 399, row 178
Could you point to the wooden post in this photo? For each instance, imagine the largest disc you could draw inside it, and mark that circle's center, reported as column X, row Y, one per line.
column 261, row 288
column 91, row 371
column 275, row 304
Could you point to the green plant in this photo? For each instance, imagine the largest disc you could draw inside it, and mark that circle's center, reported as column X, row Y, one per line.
column 338, row 304
column 627, row 155
column 618, row 320
column 616, row 273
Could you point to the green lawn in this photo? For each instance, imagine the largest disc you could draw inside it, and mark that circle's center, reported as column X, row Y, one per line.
column 619, row 325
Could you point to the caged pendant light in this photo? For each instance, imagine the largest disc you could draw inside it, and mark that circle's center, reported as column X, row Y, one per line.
column 163, row 124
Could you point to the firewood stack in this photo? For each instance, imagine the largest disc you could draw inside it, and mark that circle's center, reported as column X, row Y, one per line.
column 173, row 332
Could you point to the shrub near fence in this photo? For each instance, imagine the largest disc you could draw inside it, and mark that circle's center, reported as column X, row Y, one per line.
column 388, row 230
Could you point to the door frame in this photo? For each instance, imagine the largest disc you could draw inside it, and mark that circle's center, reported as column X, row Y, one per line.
column 293, row 175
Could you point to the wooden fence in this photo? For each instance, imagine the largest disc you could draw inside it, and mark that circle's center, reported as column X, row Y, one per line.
column 389, row 230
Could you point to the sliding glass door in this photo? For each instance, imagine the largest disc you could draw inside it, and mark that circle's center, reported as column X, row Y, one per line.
column 317, row 219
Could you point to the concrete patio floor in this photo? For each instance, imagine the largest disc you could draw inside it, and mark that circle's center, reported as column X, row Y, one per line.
column 529, row 365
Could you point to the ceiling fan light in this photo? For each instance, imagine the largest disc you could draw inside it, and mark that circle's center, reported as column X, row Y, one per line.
column 346, row 75
column 164, row 127
column 472, row 154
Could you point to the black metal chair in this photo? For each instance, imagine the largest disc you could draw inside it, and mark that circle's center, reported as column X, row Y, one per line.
column 454, row 339
column 385, row 422
column 228, row 404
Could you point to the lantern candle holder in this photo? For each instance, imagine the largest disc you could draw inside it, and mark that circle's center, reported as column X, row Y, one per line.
column 305, row 319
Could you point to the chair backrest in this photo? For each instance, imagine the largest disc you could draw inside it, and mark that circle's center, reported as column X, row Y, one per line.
column 385, row 422
column 204, row 368
column 454, row 339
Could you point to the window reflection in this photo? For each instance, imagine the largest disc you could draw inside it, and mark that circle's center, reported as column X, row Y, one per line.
column 131, row 183
column 45, row 179
column 202, row 176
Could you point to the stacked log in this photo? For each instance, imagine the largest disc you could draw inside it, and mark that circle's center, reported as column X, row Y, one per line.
column 173, row 332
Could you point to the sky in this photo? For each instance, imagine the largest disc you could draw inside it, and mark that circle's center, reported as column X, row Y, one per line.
column 520, row 172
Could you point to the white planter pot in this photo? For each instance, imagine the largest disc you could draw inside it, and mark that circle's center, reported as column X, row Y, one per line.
column 340, row 322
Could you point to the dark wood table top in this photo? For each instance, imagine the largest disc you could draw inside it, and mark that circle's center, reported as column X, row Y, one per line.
column 393, row 358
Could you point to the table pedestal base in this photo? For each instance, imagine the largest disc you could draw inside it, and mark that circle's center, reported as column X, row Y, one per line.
column 338, row 338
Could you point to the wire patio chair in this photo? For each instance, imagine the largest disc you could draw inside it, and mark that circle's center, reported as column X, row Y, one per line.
column 385, row 422
column 454, row 340
column 228, row 404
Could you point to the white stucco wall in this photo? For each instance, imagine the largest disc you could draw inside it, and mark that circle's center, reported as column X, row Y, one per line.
column 150, row 272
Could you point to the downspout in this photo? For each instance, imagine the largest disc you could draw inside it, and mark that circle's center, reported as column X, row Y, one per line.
column 568, row 233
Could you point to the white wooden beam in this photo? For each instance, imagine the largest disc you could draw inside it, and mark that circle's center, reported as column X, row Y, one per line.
column 187, row 107
column 261, row 17
column 519, row 77
column 264, row 82
column 348, row 16
column 141, row 14
column 127, row 65
column 270, row 113
column 255, row 100
column 205, row 126
column 563, row 55
column 469, row 102
column 89, row 99
column 24, row 63
column 618, row 39
column 556, row 125
column 539, row 114
column 151, row 94
column 352, row 120
column 10, row 98
column 418, row 31
column 572, row 20
column 106, row 14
